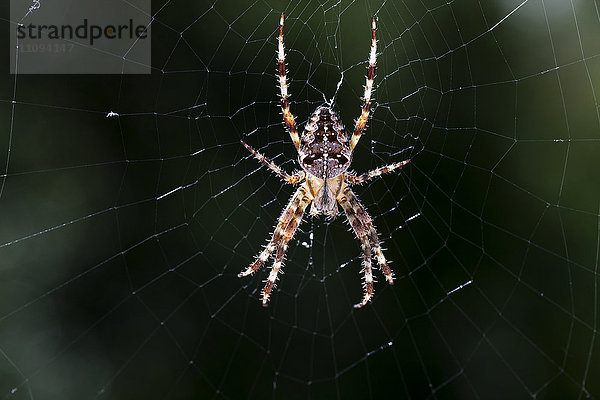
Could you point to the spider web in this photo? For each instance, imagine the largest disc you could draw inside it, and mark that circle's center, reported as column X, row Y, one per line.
column 128, row 206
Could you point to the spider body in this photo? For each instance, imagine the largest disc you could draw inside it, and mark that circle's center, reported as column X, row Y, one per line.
column 324, row 154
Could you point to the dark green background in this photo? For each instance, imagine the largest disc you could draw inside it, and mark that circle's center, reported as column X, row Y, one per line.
column 107, row 291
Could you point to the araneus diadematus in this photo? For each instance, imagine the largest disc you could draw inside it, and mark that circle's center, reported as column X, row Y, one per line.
column 324, row 153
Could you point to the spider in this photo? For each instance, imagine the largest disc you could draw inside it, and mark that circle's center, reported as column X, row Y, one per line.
column 324, row 154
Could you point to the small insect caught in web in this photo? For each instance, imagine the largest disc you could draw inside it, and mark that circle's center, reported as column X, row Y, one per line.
column 324, row 154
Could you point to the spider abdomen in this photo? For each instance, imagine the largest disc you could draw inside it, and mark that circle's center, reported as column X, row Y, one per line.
column 324, row 151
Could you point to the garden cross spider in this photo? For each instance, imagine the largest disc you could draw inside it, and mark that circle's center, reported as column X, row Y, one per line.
column 324, row 153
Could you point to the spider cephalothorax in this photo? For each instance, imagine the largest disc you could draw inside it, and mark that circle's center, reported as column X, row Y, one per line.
column 324, row 154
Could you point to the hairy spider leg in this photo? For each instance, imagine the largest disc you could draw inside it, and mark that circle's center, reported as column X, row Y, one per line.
column 367, row 270
column 362, row 235
column 284, row 220
column 292, row 179
column 282, row 247
column 367, row 222
column 383, row 264
column 363, row 227
column 361, row 122
column 288, row 118
column 367, row 176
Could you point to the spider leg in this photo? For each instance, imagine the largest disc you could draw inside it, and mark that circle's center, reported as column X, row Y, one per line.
column 293, row 179
column 367, row 222
column 284, row 220
column 282, row 247
column 364, row 229
column 368, row 273
column 362, row 235
column 361, row 122
column 288, row 118
column 367, row 176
